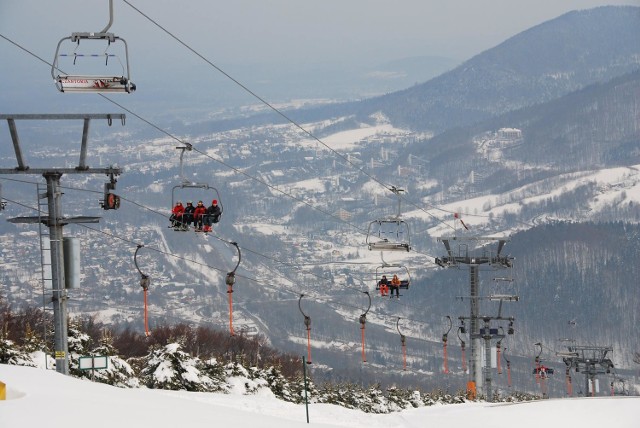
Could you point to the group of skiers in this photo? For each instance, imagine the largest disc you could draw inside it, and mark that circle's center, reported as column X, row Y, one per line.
column 202, row 217
column 387, row 288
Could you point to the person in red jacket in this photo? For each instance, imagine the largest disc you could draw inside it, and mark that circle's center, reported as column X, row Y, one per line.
column 176, row 215
column 198, row 215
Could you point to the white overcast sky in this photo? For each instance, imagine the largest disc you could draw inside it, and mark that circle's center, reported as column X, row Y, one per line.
column 290, row 30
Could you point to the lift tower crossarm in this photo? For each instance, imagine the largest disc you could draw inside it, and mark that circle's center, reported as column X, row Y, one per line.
column 82, row 165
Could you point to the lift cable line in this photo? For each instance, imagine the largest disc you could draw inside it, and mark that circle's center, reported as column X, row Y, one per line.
column 173, row 255
column 275, row 109
column 236, row 170
column 285, row 288
column 303, row 201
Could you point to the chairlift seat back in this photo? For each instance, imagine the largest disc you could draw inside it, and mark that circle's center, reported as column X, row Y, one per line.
column 89, row 80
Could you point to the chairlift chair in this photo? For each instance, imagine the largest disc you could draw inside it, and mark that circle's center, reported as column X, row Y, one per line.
column 211, row 193
column 93, row 82
column 207, row 193
column 388, row 235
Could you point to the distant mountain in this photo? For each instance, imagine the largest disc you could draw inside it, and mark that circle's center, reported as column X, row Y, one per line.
column 595, row 127
column 537, row 65
column 547, row 61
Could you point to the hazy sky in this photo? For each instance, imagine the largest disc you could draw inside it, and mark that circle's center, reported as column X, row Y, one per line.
column 282, row 33
column 260, row 30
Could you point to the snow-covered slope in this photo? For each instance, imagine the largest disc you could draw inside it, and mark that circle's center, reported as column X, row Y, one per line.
column 37, row 397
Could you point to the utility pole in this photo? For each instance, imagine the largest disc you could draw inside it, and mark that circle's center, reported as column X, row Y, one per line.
column 55, row 220
column 474, row 251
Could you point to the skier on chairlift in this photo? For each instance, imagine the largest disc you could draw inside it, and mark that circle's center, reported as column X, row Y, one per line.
column 188, row 215
column 198, row 216
column 212, row 215
column 177, row 212
column 395, row 286
column 384, row 286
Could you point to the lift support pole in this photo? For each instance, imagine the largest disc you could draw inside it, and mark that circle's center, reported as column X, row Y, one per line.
column 55, row 221
column 464, row 255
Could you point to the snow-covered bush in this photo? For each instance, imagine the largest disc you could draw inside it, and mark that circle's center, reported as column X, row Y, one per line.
column 168, row 367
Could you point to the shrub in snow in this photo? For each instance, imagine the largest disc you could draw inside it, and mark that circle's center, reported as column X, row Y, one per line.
column 31, row 341
column 278, row 384
column 328, row 393
column 215, row 371
column 11, row 354
column 298, row 390
column 244, row 381
column 79, row 346
column 168, row 367
column 372, row 400
column 399, row 399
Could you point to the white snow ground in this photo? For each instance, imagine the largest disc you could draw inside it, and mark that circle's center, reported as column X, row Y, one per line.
column 38, row 397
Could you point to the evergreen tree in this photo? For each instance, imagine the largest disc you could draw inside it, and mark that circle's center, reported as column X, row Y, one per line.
column 278, row 384
column 372, row 400
column 11, row 354
column 168, row 367
column 298, row 390
column 31, row 341
column 118, row 371
column 215, row 371
column 79, row 346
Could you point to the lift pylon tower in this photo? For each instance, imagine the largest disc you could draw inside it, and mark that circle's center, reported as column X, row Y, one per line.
column 54, row 220
column 590, row 360
column 474, row 251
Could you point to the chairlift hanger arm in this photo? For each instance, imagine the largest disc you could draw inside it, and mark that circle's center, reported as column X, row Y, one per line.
column 363, row 317
column 445, row 335
column 307, row 319
column 231, row 276
column 462, row 330
column 499, row 343
column 402, row 336
column 144, row 279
